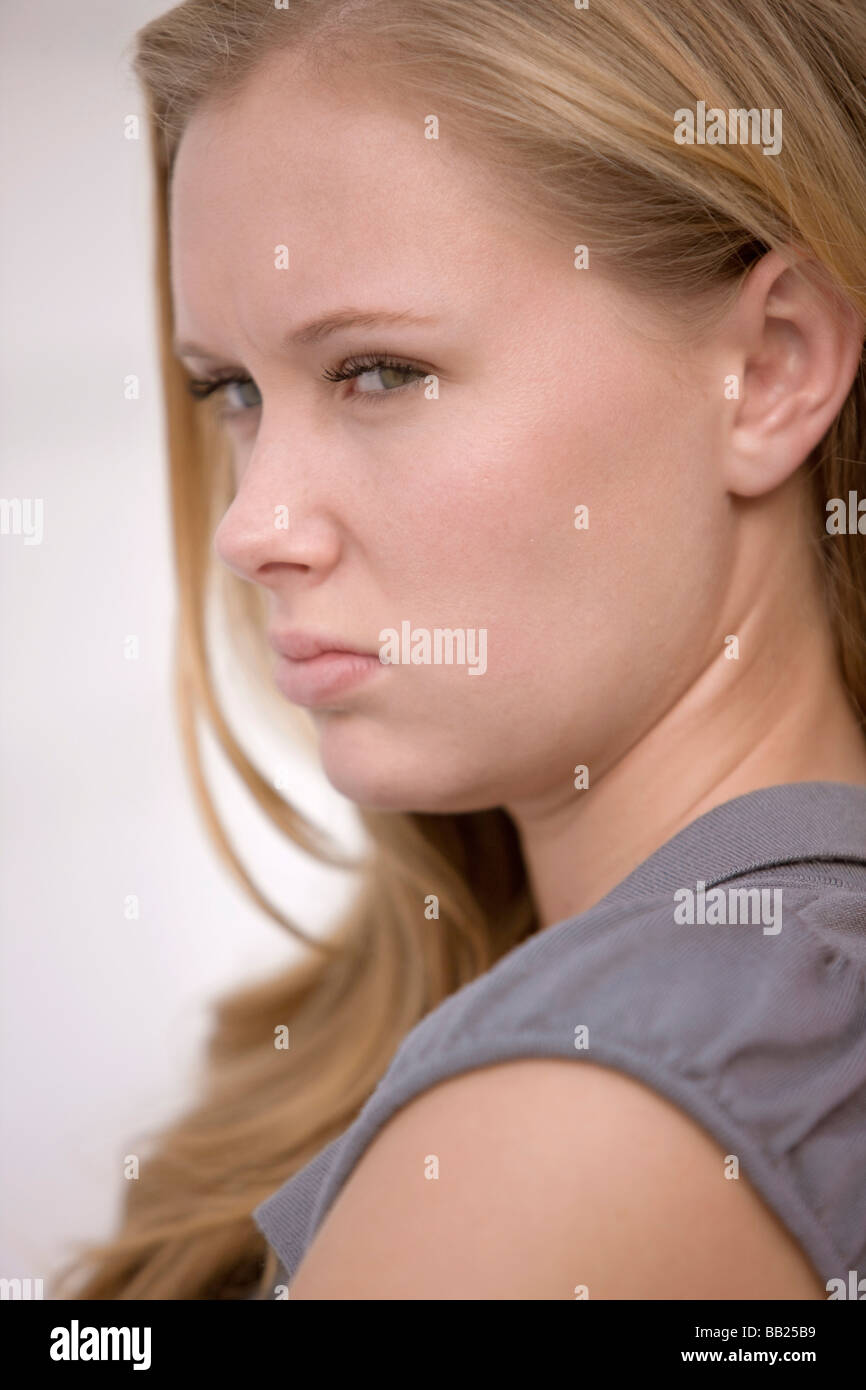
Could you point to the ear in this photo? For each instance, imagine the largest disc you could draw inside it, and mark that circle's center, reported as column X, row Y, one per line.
column 798, row 343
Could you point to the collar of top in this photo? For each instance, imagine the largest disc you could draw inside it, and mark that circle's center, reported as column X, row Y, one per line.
column 787, row 824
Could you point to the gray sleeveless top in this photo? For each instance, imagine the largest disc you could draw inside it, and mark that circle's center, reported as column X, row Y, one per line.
column 747, row 1009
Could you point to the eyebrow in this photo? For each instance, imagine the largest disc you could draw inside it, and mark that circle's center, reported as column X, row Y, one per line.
column 320, row 328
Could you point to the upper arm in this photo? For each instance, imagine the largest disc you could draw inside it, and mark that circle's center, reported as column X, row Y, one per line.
column 552, row 1175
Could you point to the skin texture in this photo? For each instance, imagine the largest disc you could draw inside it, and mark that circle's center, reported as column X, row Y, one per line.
column 606, row 646
column 551, row 1176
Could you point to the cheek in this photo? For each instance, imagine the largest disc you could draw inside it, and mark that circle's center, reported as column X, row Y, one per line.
column 482, row 531
column 588, row 627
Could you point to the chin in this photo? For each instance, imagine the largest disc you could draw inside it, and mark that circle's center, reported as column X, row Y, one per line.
column 382, row 773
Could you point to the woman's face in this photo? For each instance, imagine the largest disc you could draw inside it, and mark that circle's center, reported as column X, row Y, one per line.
column 366, row 504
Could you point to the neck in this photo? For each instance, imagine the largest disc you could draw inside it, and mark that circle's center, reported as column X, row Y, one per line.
column 779, row 714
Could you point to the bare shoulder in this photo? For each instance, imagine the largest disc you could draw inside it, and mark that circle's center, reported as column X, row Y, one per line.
column 539, row 1179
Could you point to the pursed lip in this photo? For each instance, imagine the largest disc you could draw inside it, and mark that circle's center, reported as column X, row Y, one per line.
column 304, row 646
column 317, row 669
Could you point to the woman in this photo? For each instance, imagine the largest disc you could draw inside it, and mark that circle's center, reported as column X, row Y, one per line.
column 570, row 620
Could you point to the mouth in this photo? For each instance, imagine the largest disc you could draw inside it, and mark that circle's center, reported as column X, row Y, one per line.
column 314, row 669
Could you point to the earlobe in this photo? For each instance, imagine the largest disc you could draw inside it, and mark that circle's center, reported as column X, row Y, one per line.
column 799, row 343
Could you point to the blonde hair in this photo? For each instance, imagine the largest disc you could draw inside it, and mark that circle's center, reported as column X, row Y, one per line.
column 579, row 105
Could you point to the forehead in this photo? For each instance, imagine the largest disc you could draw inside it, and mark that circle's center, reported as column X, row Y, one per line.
column 343, row 177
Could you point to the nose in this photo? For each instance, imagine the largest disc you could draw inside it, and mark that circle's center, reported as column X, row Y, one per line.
column 275, row 526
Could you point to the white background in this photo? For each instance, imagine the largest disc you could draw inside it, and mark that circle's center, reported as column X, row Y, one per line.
column 102, row 1017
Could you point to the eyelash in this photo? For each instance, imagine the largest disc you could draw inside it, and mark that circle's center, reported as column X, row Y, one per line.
column 203, row 387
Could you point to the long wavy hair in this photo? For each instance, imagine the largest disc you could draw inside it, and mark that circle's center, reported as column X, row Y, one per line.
column 577, row 105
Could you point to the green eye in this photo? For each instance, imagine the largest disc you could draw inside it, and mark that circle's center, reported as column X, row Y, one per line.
column 376, row 376
column 383, row 378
